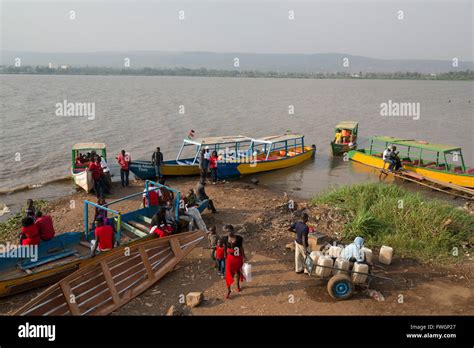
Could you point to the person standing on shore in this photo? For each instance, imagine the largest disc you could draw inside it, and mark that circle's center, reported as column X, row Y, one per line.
column 213, row 166
column 235, row 258
column 123, row 160
column 95, row 169
column 106, row 177
column 157, row 161
column 204, row 159
column 301, row 242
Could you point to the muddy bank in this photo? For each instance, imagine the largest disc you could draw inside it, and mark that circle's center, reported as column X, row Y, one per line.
column 262, row 217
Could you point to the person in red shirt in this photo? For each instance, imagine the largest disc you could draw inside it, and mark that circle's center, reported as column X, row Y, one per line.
column 154, row 195
column 124, row 160
column 161, row 231
column 29, row 232
column 104, row 236
column 220, row 257
column 96, row 170
column 235, row 258
column 44, row 223
column 213, row 166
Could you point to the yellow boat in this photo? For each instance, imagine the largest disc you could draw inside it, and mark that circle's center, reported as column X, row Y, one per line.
column 444, row 163
column 238, row 155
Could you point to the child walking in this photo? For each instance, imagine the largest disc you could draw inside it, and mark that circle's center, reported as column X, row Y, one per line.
column 220, row 258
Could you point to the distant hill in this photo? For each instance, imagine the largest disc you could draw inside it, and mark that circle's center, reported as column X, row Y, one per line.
column 287, row 63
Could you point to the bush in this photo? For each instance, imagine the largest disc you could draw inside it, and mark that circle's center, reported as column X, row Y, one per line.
column 389, row 215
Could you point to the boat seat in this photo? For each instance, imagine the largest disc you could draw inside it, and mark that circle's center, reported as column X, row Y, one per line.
column 470, row 171
column 41, row 261
column 428, row 164
column 377, row 155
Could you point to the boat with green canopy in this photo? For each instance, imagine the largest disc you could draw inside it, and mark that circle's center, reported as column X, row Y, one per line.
column 345, row 137
column 443, row 163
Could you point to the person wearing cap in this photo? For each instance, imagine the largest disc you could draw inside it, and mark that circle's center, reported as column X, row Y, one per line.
column 157, row 161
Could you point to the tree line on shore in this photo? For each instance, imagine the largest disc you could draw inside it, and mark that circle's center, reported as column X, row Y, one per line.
column 202, row 72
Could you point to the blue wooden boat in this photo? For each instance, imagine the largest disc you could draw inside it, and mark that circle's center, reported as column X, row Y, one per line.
column 238, row 155
column 69, row 251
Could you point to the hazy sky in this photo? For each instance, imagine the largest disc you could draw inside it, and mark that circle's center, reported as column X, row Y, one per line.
column 430, row 29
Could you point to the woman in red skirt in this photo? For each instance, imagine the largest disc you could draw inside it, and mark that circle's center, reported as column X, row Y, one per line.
column 235, row 258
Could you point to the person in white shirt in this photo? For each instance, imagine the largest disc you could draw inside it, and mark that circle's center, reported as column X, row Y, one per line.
column 388, row 157
column 107, row 177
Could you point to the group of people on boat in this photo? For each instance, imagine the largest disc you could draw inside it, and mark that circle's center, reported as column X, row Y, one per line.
column 97, row 165
column 344, row 136
column 35, row 227
column 391, row 157
column 164, row 221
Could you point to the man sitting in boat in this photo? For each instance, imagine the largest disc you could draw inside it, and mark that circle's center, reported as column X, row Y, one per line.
column 104, row 236
column 154, row 196
column 346, row 134
column 202, row 196
column 44, row 223
column 387, row 157
column 29, row 232
column 391, row 157
column 338, row 137
column 165, row 195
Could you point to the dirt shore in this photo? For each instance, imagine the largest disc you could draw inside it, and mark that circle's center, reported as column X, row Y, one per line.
column 261, row 218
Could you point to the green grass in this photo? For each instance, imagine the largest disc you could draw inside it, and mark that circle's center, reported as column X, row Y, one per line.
column 389, row 215
column 11, row 228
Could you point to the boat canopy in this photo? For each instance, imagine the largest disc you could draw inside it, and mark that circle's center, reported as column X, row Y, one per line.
column 218, row 140
column 278, row 138
column 351, row 125
column 88, row 146
column 418, row 144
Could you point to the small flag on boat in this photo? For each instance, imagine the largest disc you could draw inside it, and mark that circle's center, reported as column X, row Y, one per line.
column 191, row 134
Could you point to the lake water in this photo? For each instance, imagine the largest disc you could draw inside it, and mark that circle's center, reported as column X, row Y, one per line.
column 140, row 113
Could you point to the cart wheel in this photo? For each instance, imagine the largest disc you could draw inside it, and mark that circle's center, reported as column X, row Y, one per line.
column 340, row 287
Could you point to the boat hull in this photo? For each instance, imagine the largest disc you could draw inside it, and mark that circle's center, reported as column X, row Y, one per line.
column 146, row 171
column 83, row 179
column 465, row 180
column 339, row 149
column 61, row 242
column 110, row 282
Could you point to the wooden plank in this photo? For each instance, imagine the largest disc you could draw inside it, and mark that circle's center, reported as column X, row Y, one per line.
column 176, row 247
column 146, row 262
column 134, row 231
column 67, row 296
column 139, row 226
column 109, row 281
column 135, row 277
